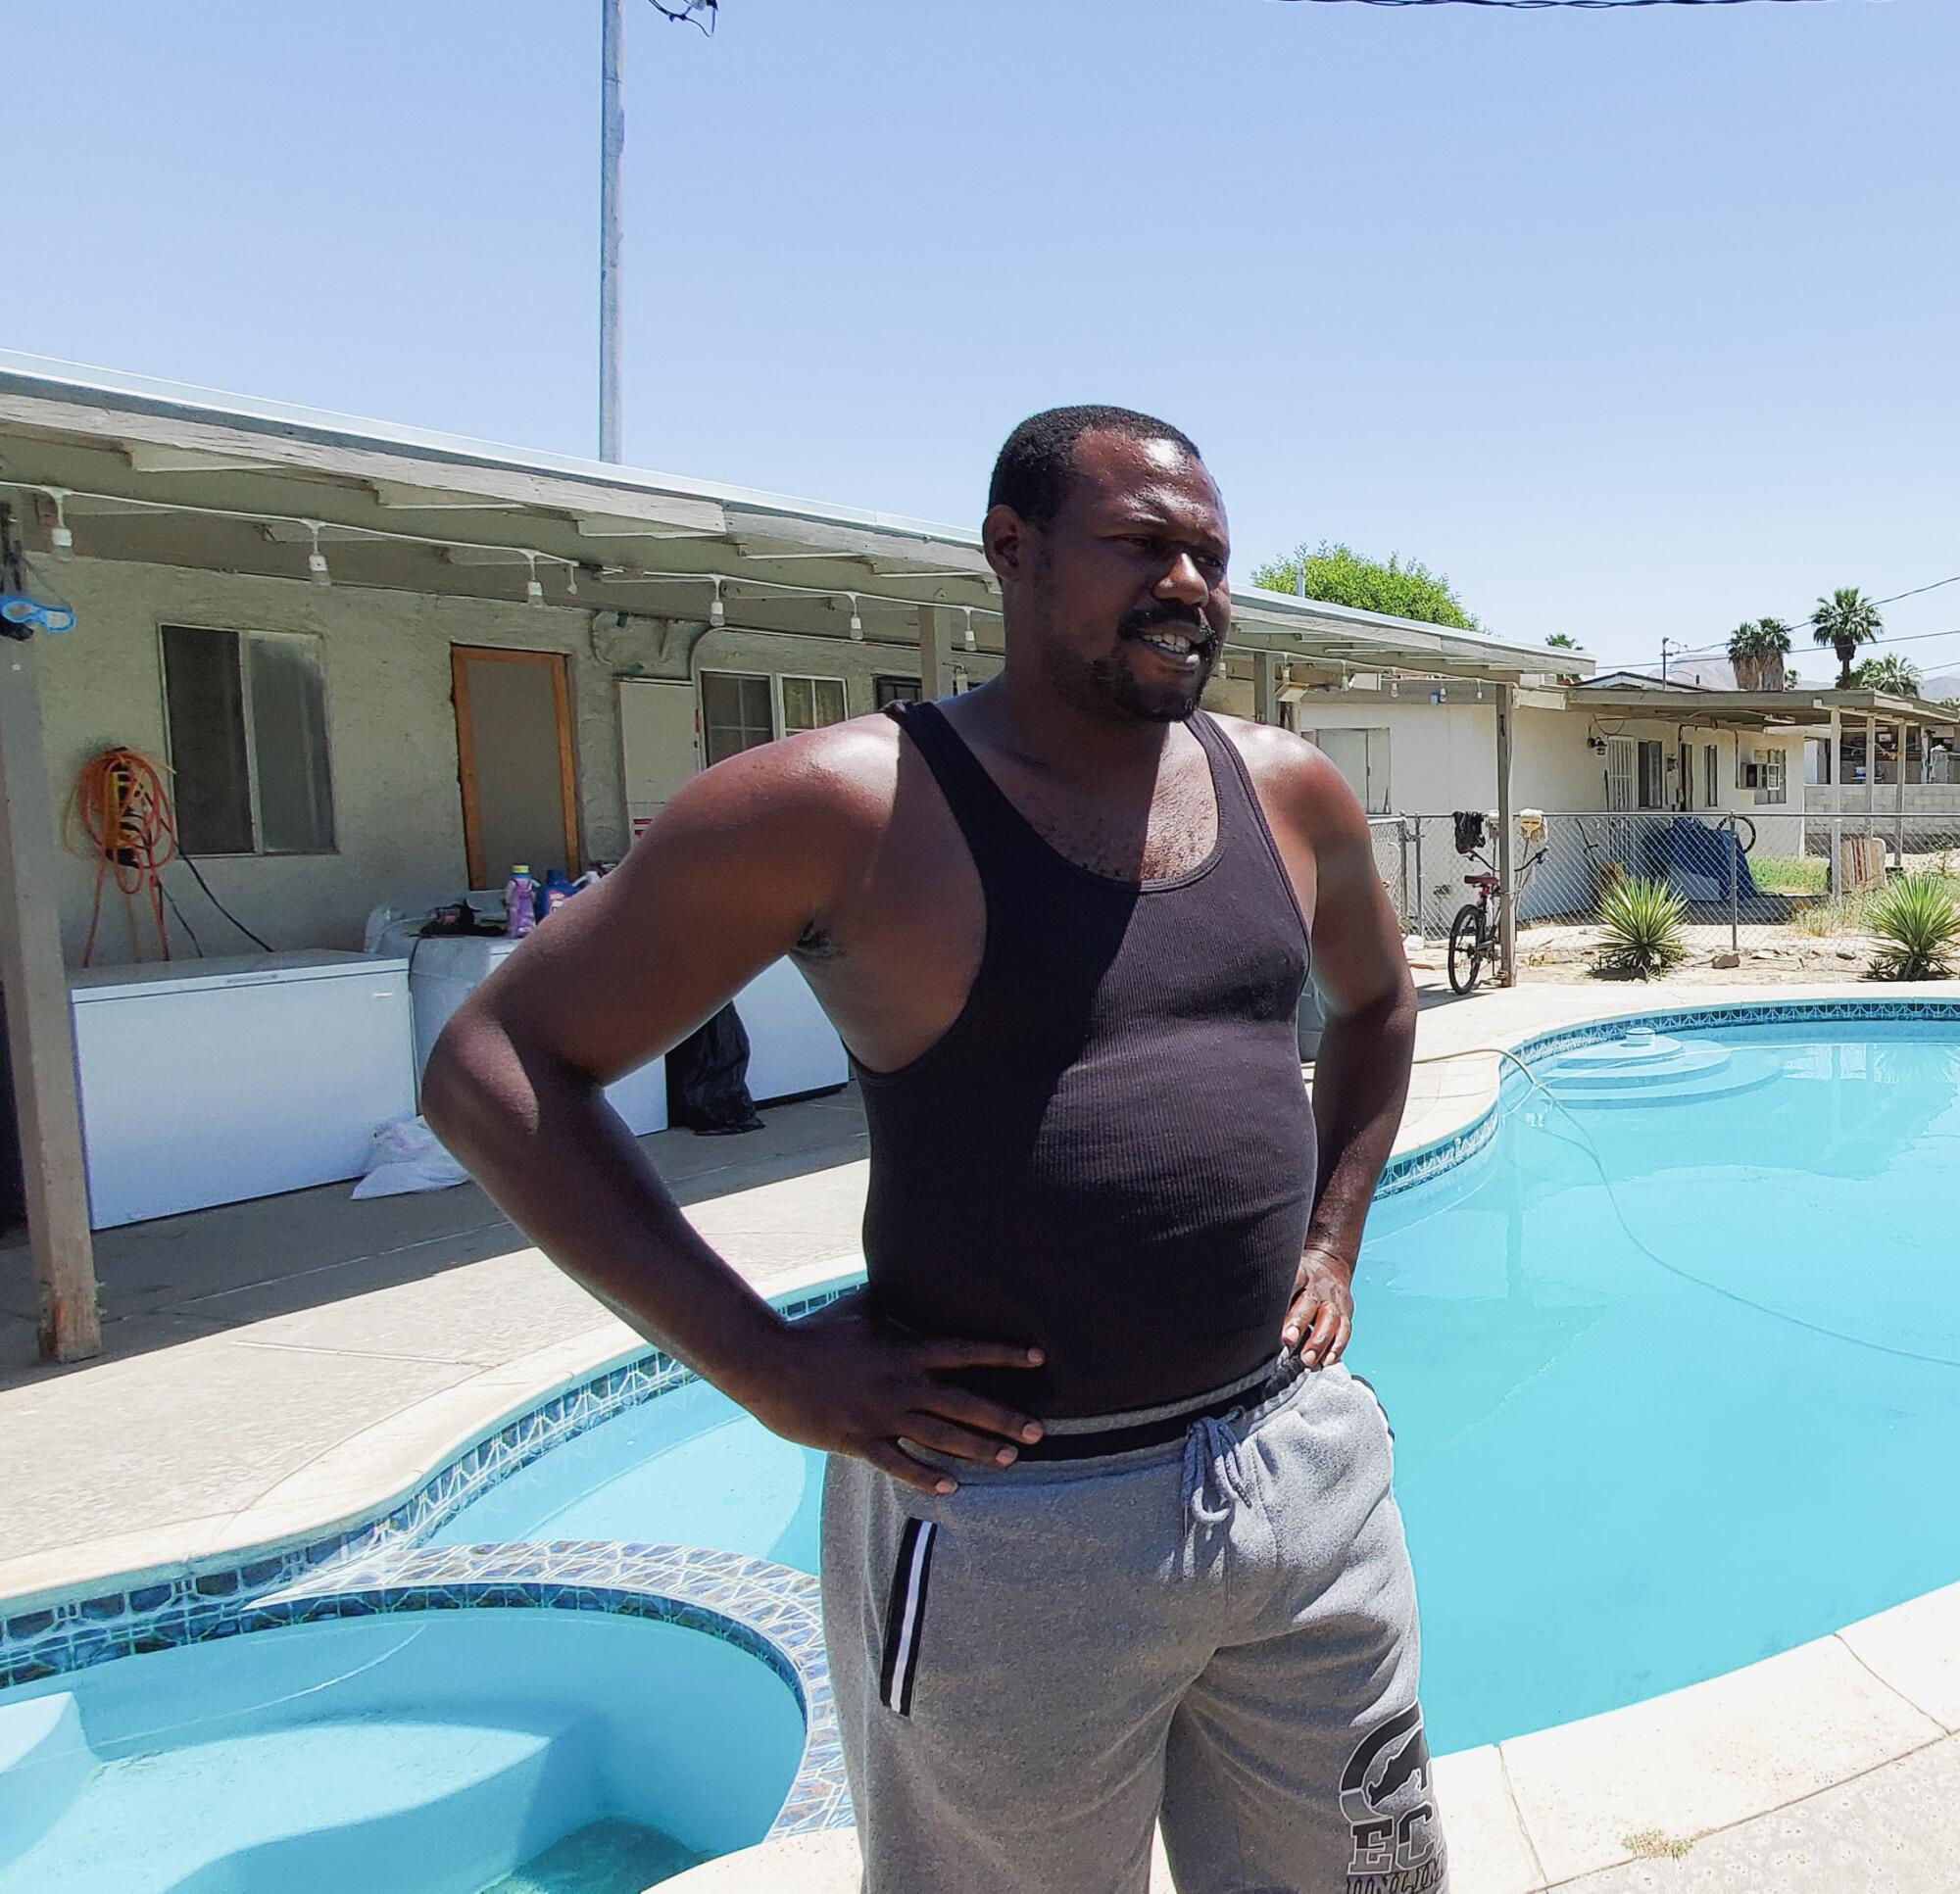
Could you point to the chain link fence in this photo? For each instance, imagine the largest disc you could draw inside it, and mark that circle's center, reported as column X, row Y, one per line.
column 1750, row 880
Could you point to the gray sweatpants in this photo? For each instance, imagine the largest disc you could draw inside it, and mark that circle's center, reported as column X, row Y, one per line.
column 1220, row 1632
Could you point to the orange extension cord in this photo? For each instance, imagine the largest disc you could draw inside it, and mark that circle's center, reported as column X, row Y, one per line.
column 119, row 817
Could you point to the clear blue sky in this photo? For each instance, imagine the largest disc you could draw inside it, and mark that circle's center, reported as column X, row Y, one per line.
column 1634, row 323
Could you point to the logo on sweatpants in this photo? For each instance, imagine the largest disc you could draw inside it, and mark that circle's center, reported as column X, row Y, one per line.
column 1397, row 1846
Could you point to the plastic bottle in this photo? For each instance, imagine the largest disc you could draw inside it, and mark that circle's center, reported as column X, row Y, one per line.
column 558, row 890
column 520, row 912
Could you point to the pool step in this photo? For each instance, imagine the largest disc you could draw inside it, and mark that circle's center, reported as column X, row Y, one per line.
column 385, row 1806
column 1643, row 1067
column 44, row 1762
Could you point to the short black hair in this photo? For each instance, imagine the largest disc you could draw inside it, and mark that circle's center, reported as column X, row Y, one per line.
column 1038, row 461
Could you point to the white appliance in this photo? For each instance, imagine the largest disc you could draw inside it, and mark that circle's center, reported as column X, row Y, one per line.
column 445, row 969
column 793, row 1047
column 212, row 1081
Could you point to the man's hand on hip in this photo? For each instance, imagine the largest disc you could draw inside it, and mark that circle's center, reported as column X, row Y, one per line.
column 1321, row 1317
column 849, row 1383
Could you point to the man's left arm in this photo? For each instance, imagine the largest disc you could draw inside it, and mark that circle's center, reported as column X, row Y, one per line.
column 1361, row 1071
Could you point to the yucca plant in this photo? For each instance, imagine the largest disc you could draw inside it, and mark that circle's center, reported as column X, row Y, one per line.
column 1640, row 928
column 1918, row 922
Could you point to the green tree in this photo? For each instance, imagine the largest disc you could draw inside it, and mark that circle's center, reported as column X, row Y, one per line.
column 1846, row 621
column 1899, row 677
column 1562, row 641
column 1336, row 574
column 1757, row 648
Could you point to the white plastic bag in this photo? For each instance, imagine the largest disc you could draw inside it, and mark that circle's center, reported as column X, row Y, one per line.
column 407, row 1156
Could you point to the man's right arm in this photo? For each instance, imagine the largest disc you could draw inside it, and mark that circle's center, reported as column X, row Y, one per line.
column 729, row 877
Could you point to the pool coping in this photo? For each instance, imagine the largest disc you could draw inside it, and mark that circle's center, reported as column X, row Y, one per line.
column 1533, row 1811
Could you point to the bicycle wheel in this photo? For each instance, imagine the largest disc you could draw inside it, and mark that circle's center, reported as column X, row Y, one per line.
column 1467, row 947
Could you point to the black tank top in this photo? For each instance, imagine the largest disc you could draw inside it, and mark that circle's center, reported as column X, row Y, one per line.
column 1110, row 1151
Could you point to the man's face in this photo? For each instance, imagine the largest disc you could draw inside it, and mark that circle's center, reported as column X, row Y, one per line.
column 1122, row 597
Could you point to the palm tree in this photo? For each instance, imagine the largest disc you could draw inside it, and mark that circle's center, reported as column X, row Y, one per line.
column 1895, row 676
column 1757, row 648
column 1844, row 621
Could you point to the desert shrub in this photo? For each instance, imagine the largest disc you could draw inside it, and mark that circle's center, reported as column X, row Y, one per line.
column 1640, row 928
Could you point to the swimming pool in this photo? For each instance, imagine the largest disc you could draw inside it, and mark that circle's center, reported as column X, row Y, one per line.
column 1673, row 1361
column 466, row 1751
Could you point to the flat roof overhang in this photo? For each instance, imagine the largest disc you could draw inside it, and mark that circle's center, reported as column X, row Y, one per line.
column 1765, row 710
column 153, row 472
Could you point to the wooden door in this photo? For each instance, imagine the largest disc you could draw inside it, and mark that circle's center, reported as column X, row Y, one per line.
column 515, row 761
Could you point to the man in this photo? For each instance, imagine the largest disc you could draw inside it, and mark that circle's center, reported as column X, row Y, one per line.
column 1109, row 1533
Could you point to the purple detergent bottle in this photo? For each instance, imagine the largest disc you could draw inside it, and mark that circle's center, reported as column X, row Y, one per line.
column 520, row 912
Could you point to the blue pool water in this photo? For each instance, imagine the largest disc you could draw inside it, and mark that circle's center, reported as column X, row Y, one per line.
column 1627, row 1461
column 531, row 1751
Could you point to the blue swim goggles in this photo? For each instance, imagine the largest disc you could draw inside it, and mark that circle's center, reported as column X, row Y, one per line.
column 30, row 614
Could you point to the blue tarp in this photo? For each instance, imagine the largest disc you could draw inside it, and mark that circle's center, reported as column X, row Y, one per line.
column 1695, row 859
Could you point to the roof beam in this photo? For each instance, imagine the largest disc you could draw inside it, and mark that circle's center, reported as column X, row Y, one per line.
column 146, row 457
column 397, row 497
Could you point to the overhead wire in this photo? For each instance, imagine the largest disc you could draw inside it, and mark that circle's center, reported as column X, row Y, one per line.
column 1532, row 6
column 1890, row 597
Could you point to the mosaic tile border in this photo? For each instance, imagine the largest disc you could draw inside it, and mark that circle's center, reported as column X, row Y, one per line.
column 509, row 1446
column 765, row 1609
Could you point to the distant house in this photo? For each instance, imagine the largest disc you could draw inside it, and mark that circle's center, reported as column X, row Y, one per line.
column 1639, row 681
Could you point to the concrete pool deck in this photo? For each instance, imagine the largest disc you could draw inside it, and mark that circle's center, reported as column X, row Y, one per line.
column 274, row 1368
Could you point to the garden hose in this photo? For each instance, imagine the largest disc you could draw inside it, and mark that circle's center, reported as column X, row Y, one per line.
column 119, row 817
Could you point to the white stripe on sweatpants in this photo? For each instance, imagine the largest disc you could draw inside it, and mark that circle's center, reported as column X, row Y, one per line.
column 909, row 1620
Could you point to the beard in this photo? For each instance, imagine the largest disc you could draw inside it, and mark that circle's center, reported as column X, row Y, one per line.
column 1118, row 684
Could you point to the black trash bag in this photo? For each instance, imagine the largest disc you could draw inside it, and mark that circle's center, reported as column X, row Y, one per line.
column 1469, row 831
column 708, row 1088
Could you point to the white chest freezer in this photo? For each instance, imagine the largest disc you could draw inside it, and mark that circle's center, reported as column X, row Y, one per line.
column 793, row 1047
column 445, row 969
column 212, row 1081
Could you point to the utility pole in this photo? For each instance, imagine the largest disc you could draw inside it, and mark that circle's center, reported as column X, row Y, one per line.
column 1667, row 648
column 612, row 143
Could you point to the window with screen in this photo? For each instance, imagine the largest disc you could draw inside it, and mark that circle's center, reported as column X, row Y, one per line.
column 811, row 703
column 736, row 713
column 893, row 689
column 246, row 712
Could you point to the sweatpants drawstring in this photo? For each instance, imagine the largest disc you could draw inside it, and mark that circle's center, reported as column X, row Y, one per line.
column 1213, row 1463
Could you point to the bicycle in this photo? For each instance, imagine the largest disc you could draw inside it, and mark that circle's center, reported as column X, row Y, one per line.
column 1476, row 932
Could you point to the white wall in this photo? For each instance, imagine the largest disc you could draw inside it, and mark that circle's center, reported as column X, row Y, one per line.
column 1443, row 757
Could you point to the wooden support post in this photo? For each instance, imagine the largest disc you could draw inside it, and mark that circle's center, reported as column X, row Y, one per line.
column 40, row 1029
column 935, row 669
column 1898, row 803
column 1265, row 696
column 1871, row 773
column 1507, row 928
column 1835, row 883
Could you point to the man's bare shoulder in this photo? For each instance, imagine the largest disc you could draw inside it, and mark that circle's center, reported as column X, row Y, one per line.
column 1298, row 786
column 841, row 780
column 1279, row 762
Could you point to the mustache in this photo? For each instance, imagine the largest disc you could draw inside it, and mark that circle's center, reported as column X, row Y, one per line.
column 1185, row 618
